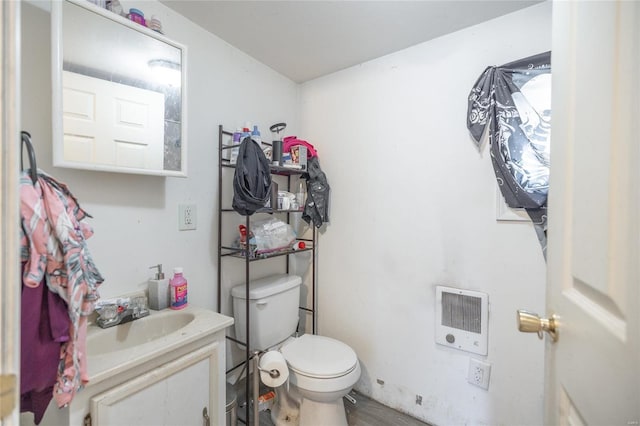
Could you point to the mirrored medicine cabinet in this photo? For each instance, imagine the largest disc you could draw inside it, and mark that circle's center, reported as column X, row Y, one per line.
column 119, row 93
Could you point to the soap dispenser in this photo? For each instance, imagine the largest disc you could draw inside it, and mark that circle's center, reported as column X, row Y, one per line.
column 158, row 290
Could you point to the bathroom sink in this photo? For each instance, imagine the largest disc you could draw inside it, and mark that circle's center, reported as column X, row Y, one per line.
column 137, row 332
column 154, row 338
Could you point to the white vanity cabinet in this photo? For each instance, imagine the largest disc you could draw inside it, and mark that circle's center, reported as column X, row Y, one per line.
column 181, row 392
column 169, row 379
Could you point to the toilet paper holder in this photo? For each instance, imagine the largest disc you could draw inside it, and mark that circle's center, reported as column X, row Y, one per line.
column 273, row 373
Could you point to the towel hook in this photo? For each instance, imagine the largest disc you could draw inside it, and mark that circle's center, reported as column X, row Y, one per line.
column 33, row 170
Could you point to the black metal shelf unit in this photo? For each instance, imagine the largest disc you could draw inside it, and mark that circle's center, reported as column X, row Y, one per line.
column 225, row 251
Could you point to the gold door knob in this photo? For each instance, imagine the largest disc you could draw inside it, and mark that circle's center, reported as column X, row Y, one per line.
column 529, row 322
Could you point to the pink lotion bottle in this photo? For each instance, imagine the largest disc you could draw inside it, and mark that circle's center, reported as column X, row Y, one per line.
column 178, row 285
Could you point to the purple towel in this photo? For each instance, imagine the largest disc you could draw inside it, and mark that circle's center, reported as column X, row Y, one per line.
column 44, row 327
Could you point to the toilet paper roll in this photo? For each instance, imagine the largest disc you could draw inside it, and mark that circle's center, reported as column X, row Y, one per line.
column 273, row 360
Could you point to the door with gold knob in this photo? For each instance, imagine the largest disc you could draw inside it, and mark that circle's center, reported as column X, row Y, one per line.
column 593, row 297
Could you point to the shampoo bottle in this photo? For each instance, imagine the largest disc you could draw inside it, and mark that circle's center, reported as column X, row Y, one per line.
column 246, row 132
column 178, row 286
column 158, row 290
column 255, row 135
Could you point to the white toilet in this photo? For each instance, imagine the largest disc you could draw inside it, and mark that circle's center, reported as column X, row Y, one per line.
column 321, row 370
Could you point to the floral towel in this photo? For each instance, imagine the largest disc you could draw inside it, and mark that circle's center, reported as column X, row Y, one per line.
column 54, row 248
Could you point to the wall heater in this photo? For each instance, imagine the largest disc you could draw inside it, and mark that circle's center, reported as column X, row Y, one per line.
column 462, row 319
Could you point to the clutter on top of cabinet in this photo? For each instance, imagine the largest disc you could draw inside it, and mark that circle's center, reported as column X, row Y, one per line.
column 155, row 24
column 137, row 16
column 100, row 3
column 115, row 7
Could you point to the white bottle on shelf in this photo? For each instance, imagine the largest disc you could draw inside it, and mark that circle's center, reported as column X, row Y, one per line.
column 255, row 135
column 301, row 195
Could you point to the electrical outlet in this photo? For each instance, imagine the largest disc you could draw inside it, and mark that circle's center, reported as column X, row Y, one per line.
column 187, row 217
column 479, row 373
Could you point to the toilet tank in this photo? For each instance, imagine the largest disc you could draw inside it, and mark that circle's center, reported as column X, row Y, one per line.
column 273, row 309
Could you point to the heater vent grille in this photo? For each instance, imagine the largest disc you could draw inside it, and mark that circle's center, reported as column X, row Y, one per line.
column 462, row 312
column 462, row 318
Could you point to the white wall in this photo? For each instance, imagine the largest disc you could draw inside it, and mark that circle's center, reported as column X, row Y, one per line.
column 135, row 217
column 412, row 207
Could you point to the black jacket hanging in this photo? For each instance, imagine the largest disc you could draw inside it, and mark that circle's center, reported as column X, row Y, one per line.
column 252, row 179
column 316, row 207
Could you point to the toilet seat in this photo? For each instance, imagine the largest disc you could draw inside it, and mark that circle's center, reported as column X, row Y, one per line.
column 319, row 357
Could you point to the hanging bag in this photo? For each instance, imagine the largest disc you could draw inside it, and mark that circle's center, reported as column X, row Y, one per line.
column 252, row 179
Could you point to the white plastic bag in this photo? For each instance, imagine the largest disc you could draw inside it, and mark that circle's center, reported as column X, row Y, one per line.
column 272, row 234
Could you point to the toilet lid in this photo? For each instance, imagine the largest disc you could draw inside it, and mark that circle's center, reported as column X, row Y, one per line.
column 319, row 356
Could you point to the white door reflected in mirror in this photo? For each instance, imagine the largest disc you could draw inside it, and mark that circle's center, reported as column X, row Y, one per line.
column 119, row 94
column 112, row 124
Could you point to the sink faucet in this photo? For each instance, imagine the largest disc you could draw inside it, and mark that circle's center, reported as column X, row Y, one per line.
column 112, row 314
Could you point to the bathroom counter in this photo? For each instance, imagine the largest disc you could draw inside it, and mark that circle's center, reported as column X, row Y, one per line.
column 111, row 351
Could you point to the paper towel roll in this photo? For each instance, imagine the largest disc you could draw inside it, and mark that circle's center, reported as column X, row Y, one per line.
column 273, row 360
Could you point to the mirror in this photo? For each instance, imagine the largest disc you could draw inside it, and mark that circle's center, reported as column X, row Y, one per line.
column 118, row 93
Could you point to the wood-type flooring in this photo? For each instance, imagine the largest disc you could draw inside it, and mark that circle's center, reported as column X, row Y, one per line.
column 366, row 412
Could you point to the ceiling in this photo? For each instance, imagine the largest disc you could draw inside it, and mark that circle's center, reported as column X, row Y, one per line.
column 306, row 39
